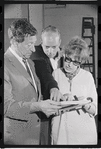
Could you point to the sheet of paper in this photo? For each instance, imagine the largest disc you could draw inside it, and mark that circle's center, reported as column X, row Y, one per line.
column 70, row 103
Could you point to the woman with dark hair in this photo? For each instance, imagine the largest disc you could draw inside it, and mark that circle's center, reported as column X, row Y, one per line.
column 77, row 126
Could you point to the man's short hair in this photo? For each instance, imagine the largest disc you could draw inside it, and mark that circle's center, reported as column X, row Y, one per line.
column 21, row 28
column 52, row 29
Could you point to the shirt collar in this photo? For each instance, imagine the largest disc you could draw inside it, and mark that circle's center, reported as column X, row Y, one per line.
column 15, row 54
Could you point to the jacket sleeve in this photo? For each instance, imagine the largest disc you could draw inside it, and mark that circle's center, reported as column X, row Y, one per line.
column 45, row 77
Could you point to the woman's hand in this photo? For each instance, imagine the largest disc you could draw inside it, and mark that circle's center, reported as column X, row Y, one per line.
column 90, row 108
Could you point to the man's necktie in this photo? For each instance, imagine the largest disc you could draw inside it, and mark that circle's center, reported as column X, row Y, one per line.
column 27, row 68
column 29, row 72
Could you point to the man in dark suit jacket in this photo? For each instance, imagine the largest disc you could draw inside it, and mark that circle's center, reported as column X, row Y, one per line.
column 46, row 58
column 43, row 65
column 22, row 92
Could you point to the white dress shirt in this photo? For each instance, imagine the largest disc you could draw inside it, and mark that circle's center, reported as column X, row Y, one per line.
column 54, row 63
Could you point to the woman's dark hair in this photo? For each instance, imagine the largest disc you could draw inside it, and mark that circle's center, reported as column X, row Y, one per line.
column 78, row 47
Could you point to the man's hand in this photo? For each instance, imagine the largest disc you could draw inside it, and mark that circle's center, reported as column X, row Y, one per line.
column 68, row 97
column 56, row 95
column 49, row 107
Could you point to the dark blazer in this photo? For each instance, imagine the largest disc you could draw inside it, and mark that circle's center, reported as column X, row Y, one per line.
column 44, row 71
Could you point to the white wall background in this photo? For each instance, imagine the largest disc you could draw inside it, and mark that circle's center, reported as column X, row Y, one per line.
column 69, row 18
column 15, row 11
column 36, row 18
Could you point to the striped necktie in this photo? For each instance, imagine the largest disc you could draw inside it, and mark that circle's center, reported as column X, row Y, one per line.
column 29, row 72
column 26, row 65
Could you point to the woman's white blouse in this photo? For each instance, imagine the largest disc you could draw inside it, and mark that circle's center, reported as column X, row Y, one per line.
column 82, row 84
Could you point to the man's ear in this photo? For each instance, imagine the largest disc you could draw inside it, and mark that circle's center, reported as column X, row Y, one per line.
column 12, row 41
column 15, row 43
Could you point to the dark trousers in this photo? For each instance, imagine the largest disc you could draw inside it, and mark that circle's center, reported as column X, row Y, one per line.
column 45, row 131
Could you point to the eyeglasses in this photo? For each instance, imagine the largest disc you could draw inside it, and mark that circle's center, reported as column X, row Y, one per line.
column 69, row 60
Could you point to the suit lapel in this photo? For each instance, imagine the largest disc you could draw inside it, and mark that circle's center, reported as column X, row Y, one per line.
column 31, row 63
column 46, row 58
column 15, row 62
column 50, row 64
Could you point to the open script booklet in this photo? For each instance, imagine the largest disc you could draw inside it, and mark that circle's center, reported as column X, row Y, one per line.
column 72, row 105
